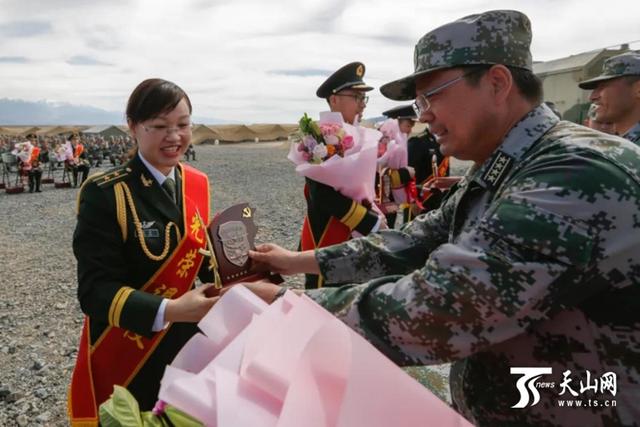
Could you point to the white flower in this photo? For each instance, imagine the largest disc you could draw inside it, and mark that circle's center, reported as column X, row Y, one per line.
column 319, row 152
column 332, row 139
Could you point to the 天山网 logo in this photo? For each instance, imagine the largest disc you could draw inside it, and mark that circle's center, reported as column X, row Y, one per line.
column 527, row 385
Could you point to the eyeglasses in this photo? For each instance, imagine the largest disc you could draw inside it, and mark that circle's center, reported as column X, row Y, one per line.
column 359, row 98
column 422, row 103
column 181, row 129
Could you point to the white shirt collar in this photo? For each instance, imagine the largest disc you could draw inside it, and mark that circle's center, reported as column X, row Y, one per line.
column 159, row 176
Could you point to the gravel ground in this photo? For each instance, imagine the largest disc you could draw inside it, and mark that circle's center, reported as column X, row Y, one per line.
column 40, row 318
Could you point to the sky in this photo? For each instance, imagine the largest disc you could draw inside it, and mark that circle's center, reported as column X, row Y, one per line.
column 255, row 61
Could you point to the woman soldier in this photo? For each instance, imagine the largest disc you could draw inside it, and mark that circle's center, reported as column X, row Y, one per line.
column 140, row 227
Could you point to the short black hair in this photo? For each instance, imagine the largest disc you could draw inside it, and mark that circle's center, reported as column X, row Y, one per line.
column 529, row 85
column 152, row 98
column 632, row 79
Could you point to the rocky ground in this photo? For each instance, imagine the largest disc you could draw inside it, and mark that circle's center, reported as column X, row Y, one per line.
column 40, row 318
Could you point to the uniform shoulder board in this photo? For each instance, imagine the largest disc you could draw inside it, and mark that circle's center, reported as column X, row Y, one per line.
column 108, row 179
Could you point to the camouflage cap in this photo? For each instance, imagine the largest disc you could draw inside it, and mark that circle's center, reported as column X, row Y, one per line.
column 494, row 37
column 626, row 64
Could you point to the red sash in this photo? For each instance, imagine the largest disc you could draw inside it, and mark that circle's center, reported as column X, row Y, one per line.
column 117, row 356
column 334, row 232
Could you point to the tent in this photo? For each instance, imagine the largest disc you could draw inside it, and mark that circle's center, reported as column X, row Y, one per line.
column 27, row 130
column 270, row 132
column 204, row 134
column 104, row 131
column 235, row 133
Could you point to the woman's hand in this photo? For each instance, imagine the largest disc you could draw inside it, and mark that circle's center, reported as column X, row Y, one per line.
column 263, row 289
column 280, row 260
column 190, row 307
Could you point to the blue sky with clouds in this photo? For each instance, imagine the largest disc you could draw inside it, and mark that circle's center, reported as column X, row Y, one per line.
column 252, row 60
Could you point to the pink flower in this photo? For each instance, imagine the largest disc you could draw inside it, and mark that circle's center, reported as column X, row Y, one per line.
column 159, row 408
column 329, row 129
column 306, row 156
column 347, row 142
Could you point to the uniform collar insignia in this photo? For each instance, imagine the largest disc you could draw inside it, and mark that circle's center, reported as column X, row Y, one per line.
column 497, row 170
column 146, row 181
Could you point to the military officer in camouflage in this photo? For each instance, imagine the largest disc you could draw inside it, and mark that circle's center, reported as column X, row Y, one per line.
column 532, row 261
column 616, row 94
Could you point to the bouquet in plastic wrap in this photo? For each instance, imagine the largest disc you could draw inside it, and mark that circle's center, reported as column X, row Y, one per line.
column 395, row 155
column 291, row 363
column 337, row 154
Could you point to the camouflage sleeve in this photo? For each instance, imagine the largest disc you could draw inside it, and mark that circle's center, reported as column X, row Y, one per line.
column 386, row 252
column 526, row 260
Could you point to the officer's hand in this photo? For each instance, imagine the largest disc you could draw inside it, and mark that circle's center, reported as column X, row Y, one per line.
column 280, row 260
column 190, row 307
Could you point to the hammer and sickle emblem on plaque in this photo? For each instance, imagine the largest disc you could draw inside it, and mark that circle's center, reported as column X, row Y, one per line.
column 246, row 212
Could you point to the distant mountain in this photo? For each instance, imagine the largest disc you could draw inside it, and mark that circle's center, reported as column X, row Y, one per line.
column 21, row 112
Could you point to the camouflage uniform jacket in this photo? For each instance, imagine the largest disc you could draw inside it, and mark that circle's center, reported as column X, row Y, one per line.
column 532, row 261
column 633, row 134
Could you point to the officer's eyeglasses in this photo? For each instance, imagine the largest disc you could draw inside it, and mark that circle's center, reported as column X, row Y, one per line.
column 359, row 98
column 156, row 130
column 422, row 103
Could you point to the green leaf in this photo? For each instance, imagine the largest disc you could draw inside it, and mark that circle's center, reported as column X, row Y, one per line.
column 120, row 410
column 179, row 418
column 150, row 420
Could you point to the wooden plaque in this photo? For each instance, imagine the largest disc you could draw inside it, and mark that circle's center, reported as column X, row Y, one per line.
column 232, row 233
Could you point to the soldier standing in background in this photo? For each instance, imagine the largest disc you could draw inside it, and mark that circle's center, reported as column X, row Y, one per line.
column 531, row 261
column 616, row 94
column 400, row 181
column 424, row 155
column 332, row 217
column 35, row 161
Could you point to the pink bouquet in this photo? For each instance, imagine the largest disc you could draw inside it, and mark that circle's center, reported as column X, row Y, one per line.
column 292, row 364
column 396, row 155
column 337, row 154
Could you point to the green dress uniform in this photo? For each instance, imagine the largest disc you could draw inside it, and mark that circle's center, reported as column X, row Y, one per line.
column 421, row 150
column 533, row 260
column 107, row 263
column 330, row 219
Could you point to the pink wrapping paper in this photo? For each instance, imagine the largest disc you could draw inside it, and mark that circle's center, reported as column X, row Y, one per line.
column 293, row 364
column 352, row 175
column 397, row 155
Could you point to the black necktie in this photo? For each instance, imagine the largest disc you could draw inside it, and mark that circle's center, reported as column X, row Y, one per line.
column 169, row 186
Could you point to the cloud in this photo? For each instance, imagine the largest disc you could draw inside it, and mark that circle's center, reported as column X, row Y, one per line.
column 25, row 29
column 250, row 60
column 304, row 72
column 85, row 60
column 13, row 60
